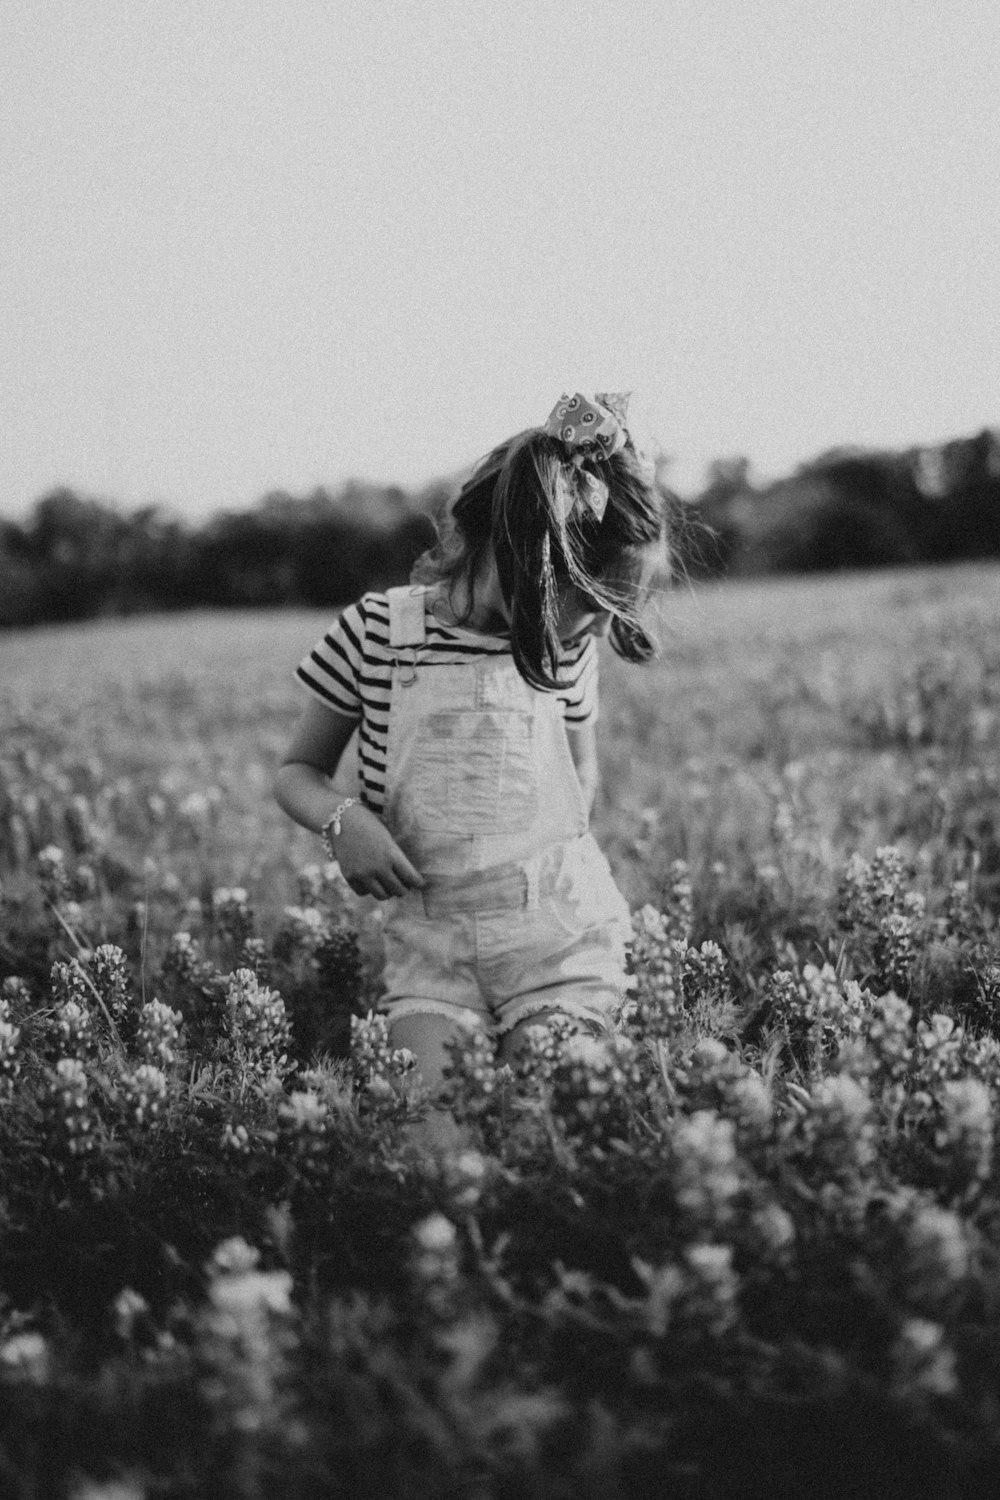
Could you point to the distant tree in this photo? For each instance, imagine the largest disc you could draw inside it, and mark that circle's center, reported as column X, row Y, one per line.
column 73, row 543
column 727, row 477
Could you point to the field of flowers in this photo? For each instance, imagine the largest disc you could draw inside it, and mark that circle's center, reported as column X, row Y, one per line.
column 746, row 1244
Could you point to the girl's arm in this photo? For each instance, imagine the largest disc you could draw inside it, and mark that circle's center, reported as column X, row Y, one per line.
column 370, row 860
column 583, row 748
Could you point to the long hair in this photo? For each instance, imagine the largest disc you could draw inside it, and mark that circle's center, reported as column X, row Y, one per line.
column 511, row 503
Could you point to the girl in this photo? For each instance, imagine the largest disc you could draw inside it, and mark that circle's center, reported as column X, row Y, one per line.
column 476, row 696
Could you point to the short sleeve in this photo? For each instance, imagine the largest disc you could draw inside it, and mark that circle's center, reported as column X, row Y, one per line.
column 578, row 683
column 332, row 670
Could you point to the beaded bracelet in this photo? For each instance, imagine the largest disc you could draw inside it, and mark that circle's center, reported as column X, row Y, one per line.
column 331, row 827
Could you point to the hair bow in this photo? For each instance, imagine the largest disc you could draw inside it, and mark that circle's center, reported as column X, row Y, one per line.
column 587, row 429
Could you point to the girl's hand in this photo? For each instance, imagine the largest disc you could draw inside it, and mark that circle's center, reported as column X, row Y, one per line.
column 370, row 860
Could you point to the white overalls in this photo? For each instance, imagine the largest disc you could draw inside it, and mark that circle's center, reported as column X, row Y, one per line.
column 520, row 913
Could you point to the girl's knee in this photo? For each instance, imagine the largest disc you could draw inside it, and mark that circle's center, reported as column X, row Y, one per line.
column 428, row 1035
column 514, row 1038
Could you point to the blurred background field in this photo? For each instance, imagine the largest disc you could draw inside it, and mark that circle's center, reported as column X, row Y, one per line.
column 827, row 696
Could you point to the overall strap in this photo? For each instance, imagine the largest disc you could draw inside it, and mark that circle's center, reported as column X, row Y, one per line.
column 406, row 616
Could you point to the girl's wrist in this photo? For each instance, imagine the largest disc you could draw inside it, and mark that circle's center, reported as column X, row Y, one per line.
column 331, row 828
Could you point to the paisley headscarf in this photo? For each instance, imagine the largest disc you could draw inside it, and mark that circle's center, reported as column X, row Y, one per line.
column 586, row 429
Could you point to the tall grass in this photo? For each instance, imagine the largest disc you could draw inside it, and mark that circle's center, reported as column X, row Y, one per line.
column 744, row 1244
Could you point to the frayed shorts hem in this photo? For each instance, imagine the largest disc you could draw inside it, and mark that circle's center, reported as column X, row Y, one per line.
column 537, row 1006
column 396, row 1010
column 512, row 1015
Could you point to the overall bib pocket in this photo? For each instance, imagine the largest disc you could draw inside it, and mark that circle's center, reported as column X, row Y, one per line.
column 473, row 772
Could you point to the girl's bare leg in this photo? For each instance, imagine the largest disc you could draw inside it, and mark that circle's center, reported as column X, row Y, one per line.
column 426, row 1037
column 513, row 1040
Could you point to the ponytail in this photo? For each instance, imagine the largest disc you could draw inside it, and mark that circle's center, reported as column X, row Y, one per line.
column 518, row 501
column 527, row 550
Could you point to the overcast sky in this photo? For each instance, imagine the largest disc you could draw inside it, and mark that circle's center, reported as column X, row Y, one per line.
column 251, row 244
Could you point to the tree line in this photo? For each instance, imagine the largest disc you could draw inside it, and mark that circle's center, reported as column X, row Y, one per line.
column 76, row 557
column 851, row 508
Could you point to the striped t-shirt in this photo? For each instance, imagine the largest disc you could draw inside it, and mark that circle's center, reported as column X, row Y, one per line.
column 350, row 670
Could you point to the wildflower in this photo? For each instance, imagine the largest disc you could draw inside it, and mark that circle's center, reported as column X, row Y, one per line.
column 982, row 1058
column 473, row 1082
column 965, row 1133
column 838, row 1132
column 310, row 879
column 377, row 1066
column 191, row 912
column 10, row 1062
column 128, row 1307
column 656, row 960
column 25, row 1356
column 664, row 1286
column 709, row 1069
column 108, row 1489
column 889, row 1036
column 304, row 1113
column 70, row 984
column 772, row 1232
column 594, row 1082
column 678, row 912
column 75, row 1030
column 988, row 988
column 434, row 1257
column 158, row 1033
column 254, row 955
column 886, row 876
column 245, row 1338
column 170, row 886
column 941, row 1042
column 111, row 979
column 705, row 1166
column 923, row 1363
column 83, row 884
column 338, row 960
column 332, row 1083
column 869, row 892
column 895, row 949
column 235, row 1138
column 68, row 1106
column 302, row 932
column 196, row 808
column 710, row 1055
column 244, row 1295
column 232, row 913
column 465, row 1176
column 541, row 1048
column 711, row 1288
column 144, row 1091
column 936, row 1252
column 706, row 976
column 14, row 995
column 258, row 1022
column 816, row 1010
column 960, row 913
column 234, row 1256
column 183, row 959
column 52, row 873
column 748, row 1102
